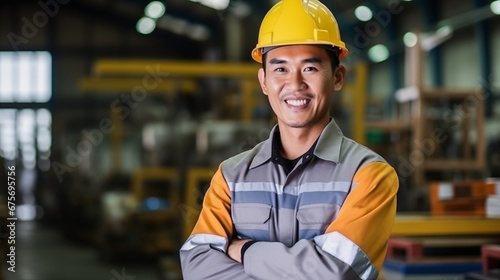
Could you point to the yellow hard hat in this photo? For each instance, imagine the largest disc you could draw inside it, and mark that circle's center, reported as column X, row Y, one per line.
column 294, row 22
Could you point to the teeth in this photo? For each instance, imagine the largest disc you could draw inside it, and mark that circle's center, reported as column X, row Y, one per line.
column 296, row 102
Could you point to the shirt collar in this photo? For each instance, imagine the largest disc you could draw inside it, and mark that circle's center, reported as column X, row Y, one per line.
column 327, row 147
column 330, row 143
column 266, row 151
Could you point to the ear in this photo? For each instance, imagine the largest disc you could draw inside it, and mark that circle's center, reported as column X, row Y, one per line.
column 262, row 80
column 339, row 76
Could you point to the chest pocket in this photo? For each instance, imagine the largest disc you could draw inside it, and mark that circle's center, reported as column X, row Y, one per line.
column 252, row 220
column 316, row 217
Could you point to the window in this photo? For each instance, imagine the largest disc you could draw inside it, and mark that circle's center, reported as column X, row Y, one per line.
column 25, row 133
column 25, row 77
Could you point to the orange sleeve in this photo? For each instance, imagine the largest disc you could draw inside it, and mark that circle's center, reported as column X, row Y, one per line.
column 215, row 216
column 368, row 213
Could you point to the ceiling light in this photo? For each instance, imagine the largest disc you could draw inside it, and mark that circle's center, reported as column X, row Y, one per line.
column 363, row 13
column 444, row 31
column 145, row 25
column 432, row 40
column 410, row 39
column 495, row 7
column 378, row 53
column 214, row 4
column 154, row 9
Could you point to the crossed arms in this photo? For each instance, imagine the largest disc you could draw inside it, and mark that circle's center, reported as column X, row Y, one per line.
column 352, row 247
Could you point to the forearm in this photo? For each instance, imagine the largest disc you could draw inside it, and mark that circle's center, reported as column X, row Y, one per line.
column 305, row 260
column 206, row 263
column 203, row 255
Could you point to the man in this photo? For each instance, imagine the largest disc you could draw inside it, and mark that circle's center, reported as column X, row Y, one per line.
column 308, row 203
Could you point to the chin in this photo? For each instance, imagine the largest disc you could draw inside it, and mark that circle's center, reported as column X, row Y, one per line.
column 297, row 124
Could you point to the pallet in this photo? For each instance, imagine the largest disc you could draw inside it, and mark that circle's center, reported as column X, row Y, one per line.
column 490, row 255
column 430, row 269
column 397, row 276
column 412, row 249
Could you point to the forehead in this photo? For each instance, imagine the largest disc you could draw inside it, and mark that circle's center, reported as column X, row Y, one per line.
column 297, row 52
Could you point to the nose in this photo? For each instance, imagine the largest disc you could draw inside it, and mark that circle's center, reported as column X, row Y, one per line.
column 296, row 81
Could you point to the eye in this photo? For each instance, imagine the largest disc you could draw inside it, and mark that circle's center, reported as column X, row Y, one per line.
column 279, row 69
column 310, row 68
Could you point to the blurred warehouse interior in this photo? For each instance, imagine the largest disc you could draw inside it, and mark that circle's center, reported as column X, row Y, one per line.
column 115, row 114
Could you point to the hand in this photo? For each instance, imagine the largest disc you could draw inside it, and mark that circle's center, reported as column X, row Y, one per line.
column 234, row 249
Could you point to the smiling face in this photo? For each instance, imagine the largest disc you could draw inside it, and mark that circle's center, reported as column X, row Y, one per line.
column 299, row 82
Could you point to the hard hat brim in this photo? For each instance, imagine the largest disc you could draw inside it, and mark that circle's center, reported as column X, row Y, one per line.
column 258, row 51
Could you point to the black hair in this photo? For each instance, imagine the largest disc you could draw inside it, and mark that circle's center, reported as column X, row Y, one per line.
column 333, row 54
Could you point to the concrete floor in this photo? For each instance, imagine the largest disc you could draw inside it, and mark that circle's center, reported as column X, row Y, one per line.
column 43, row 254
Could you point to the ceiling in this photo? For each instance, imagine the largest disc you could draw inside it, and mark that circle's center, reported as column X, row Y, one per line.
column 250, row 12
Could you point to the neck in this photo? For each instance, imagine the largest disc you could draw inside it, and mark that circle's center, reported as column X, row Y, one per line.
column 296, row 141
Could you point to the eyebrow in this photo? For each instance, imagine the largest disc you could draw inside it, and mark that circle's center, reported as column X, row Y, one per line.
column 277, row 61
column 313, row 59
